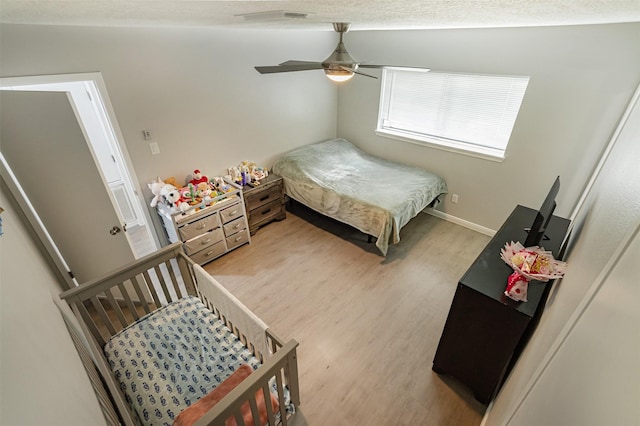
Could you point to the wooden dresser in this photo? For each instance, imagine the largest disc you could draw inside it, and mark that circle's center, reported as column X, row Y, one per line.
column 210, row 232
column 265, row 202
column 486, row 331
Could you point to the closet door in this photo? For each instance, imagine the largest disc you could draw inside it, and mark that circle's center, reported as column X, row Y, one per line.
column 46, row 149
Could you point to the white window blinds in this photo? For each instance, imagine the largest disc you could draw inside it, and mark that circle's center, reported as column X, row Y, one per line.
column 464, row 112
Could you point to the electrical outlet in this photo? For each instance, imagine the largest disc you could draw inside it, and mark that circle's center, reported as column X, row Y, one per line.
column 454, row 198
column 155, row 149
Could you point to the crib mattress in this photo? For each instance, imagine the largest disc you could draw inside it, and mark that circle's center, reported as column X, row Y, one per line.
column 172, row 357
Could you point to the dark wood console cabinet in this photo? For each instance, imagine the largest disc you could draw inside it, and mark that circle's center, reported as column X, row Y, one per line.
column 485, row 330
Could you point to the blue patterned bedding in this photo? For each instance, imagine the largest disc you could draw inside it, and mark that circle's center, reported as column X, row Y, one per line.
column 172, row 357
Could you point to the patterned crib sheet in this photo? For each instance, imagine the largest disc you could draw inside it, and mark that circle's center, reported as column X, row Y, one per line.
column 172, row 357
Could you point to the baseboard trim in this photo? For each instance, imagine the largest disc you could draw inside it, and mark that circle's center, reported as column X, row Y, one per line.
column 461, row 222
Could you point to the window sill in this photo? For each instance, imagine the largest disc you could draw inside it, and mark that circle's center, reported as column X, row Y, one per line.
column 478, row 152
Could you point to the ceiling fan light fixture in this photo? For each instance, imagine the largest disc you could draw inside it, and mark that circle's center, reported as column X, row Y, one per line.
column 338, row 75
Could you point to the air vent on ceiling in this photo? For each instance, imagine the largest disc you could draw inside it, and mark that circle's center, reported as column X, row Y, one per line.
column 273, row 15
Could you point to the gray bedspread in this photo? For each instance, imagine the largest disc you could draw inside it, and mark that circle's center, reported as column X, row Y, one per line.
column 376, row 196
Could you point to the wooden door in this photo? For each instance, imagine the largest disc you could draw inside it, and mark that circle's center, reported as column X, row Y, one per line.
column 44, row 145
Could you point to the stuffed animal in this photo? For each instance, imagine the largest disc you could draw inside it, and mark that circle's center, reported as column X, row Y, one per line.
column 188, row 194
column 174, row 199
column 204, row 190
column 198, row 178
column 155, row 187
column 235, row 174
column 171, row 181
column 258, row 173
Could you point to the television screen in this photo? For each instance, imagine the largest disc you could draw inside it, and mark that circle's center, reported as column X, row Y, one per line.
column 543, row 215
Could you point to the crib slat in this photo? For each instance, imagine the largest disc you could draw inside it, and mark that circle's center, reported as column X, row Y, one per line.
column 115, row 306
column 163, row 284
column 136, row 285
column 129, row 302
column 291, row 377
column 103, row 315
column 254, row 408
column 187, row 275
column 174, row 280
column 267, row 399
column 152, row 289
column 86, row 316
column 239, row 418
column 283, row 410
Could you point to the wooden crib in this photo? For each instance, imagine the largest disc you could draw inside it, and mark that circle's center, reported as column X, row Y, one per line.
column 127, row 297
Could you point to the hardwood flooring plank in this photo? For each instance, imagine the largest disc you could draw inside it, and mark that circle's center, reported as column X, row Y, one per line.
column 368, row 326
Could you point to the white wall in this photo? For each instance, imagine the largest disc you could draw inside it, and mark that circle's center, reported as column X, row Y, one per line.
column 580, row 367
column 582, row 78
column 42, row 380
column 195, row 89
column 197, row 92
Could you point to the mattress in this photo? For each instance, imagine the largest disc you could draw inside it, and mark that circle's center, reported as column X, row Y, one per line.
column 172, row 357
column 376, row 196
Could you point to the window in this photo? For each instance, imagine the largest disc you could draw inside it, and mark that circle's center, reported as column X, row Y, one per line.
column 474, row 114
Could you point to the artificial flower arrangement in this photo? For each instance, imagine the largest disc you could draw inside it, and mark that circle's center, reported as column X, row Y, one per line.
column 531, row 263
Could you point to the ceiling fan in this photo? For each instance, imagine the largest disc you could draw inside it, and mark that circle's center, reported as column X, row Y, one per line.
column 339, row 66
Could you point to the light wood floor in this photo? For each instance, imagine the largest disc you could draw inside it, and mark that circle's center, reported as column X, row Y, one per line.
column 368, row 326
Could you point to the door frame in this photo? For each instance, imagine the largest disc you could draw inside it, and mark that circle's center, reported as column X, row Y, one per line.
column 14, row 83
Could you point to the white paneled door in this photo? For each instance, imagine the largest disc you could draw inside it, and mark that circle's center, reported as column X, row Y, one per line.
column 45, row 147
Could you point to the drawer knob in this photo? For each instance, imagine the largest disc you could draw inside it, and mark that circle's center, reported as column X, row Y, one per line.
column 266, row 197
column 266, row 211
column 204, row 242
column 201, row 226
column 233, row 213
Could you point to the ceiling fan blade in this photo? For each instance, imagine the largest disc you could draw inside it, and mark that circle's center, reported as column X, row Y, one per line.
column 358, row 72
column 392, row 66
column 366, row 75
column 319, row 64
column 289, row 67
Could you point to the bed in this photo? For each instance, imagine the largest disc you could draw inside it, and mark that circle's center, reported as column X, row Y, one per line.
column 172, row 346
column 376, row 196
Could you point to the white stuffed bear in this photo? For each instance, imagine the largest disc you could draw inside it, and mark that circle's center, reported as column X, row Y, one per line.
column 174, row 199
column 155, row 187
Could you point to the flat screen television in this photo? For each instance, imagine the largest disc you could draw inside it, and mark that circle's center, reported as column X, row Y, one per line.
column 543, row 215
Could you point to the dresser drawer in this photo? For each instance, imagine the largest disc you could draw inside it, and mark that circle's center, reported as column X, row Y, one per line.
column 209, row 253
column 198, row 227
column 266, row 212
column 234, row 226
column 205, row 240
column 238, row 238
column 272, row 193
column 231, row 212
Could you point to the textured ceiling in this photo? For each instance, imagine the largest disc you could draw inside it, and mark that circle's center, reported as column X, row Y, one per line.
column 363, row 14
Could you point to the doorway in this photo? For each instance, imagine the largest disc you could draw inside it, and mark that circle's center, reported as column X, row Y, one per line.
column 89, row 100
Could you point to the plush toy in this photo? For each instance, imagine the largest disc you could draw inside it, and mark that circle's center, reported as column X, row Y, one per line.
column 171, row 181
column 258, row 173
column 220, row 185
column 188, row 194
column 204, row 190
column 235, row 174
column 155, row 187
column 174, row 199
column 198, row 178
